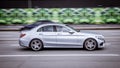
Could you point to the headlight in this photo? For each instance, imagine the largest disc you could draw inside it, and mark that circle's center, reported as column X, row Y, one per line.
column 100, row 37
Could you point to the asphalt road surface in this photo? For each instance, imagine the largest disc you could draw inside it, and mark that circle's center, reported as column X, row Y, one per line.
column 14, row 56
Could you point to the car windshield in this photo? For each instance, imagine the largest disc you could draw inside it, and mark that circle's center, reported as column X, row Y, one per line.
column 72, row 28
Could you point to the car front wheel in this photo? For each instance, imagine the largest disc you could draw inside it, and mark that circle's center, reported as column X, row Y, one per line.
column 36, row 45
column 90, row 44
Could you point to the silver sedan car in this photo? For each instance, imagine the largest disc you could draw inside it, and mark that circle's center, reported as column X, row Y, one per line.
column 53, row 35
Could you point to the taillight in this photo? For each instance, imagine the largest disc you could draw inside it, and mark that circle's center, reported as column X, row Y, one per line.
column 22, row 35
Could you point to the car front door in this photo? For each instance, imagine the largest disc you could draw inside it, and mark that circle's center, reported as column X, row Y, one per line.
column 65, row 36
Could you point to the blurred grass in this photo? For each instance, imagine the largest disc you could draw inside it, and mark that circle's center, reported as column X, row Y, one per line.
column 108, row 15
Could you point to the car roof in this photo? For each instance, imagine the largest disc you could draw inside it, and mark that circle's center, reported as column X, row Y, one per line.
column 41, row 22
column 54, row 24
column 37, row 24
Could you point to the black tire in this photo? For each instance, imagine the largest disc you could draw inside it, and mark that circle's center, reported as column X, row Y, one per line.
column 90, row 44
column 36, row 45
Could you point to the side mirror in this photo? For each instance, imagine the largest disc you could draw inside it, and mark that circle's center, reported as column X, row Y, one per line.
column 71, row 32
column 77, row 30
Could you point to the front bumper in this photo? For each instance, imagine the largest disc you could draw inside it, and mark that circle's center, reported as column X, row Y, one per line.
column 101, row 44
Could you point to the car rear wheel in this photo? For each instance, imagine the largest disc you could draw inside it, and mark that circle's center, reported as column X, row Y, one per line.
column 36, row 45
column 90, row 44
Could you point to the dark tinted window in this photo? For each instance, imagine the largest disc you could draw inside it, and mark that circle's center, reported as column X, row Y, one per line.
column 46, row 29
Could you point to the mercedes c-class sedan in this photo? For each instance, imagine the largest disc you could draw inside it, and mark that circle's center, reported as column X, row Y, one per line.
column 54, row 35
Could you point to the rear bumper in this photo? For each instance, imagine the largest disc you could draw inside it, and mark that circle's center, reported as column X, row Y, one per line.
column 23, row 43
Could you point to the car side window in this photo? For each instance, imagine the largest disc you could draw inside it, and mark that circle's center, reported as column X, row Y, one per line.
column 61, row 29
column 46, row 29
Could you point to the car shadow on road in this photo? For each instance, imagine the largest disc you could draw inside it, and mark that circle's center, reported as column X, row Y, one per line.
column 60, row 49
column 24, row 49
column 69, row 49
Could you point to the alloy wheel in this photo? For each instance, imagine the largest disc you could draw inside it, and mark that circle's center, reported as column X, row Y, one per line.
column 36, row 45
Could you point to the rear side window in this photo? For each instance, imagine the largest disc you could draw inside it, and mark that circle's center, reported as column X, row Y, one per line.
column 46, row 29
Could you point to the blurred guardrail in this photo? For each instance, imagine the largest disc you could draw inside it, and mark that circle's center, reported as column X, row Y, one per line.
column 79, row 27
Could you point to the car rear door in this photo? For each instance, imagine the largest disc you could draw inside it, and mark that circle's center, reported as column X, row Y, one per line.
column 48, row 35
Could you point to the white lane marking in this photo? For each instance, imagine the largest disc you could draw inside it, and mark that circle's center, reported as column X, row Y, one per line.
column 107, row 43
column 111, row 37
column 14, row 45
column 45, row 55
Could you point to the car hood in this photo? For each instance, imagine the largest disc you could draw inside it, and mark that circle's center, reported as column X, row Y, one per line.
column 90, row 33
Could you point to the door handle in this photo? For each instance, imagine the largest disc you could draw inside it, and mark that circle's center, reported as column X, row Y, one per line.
column 58, row 34
column 40, row 34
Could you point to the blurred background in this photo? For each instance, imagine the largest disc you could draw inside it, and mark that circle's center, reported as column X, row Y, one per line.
column 62, row 11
